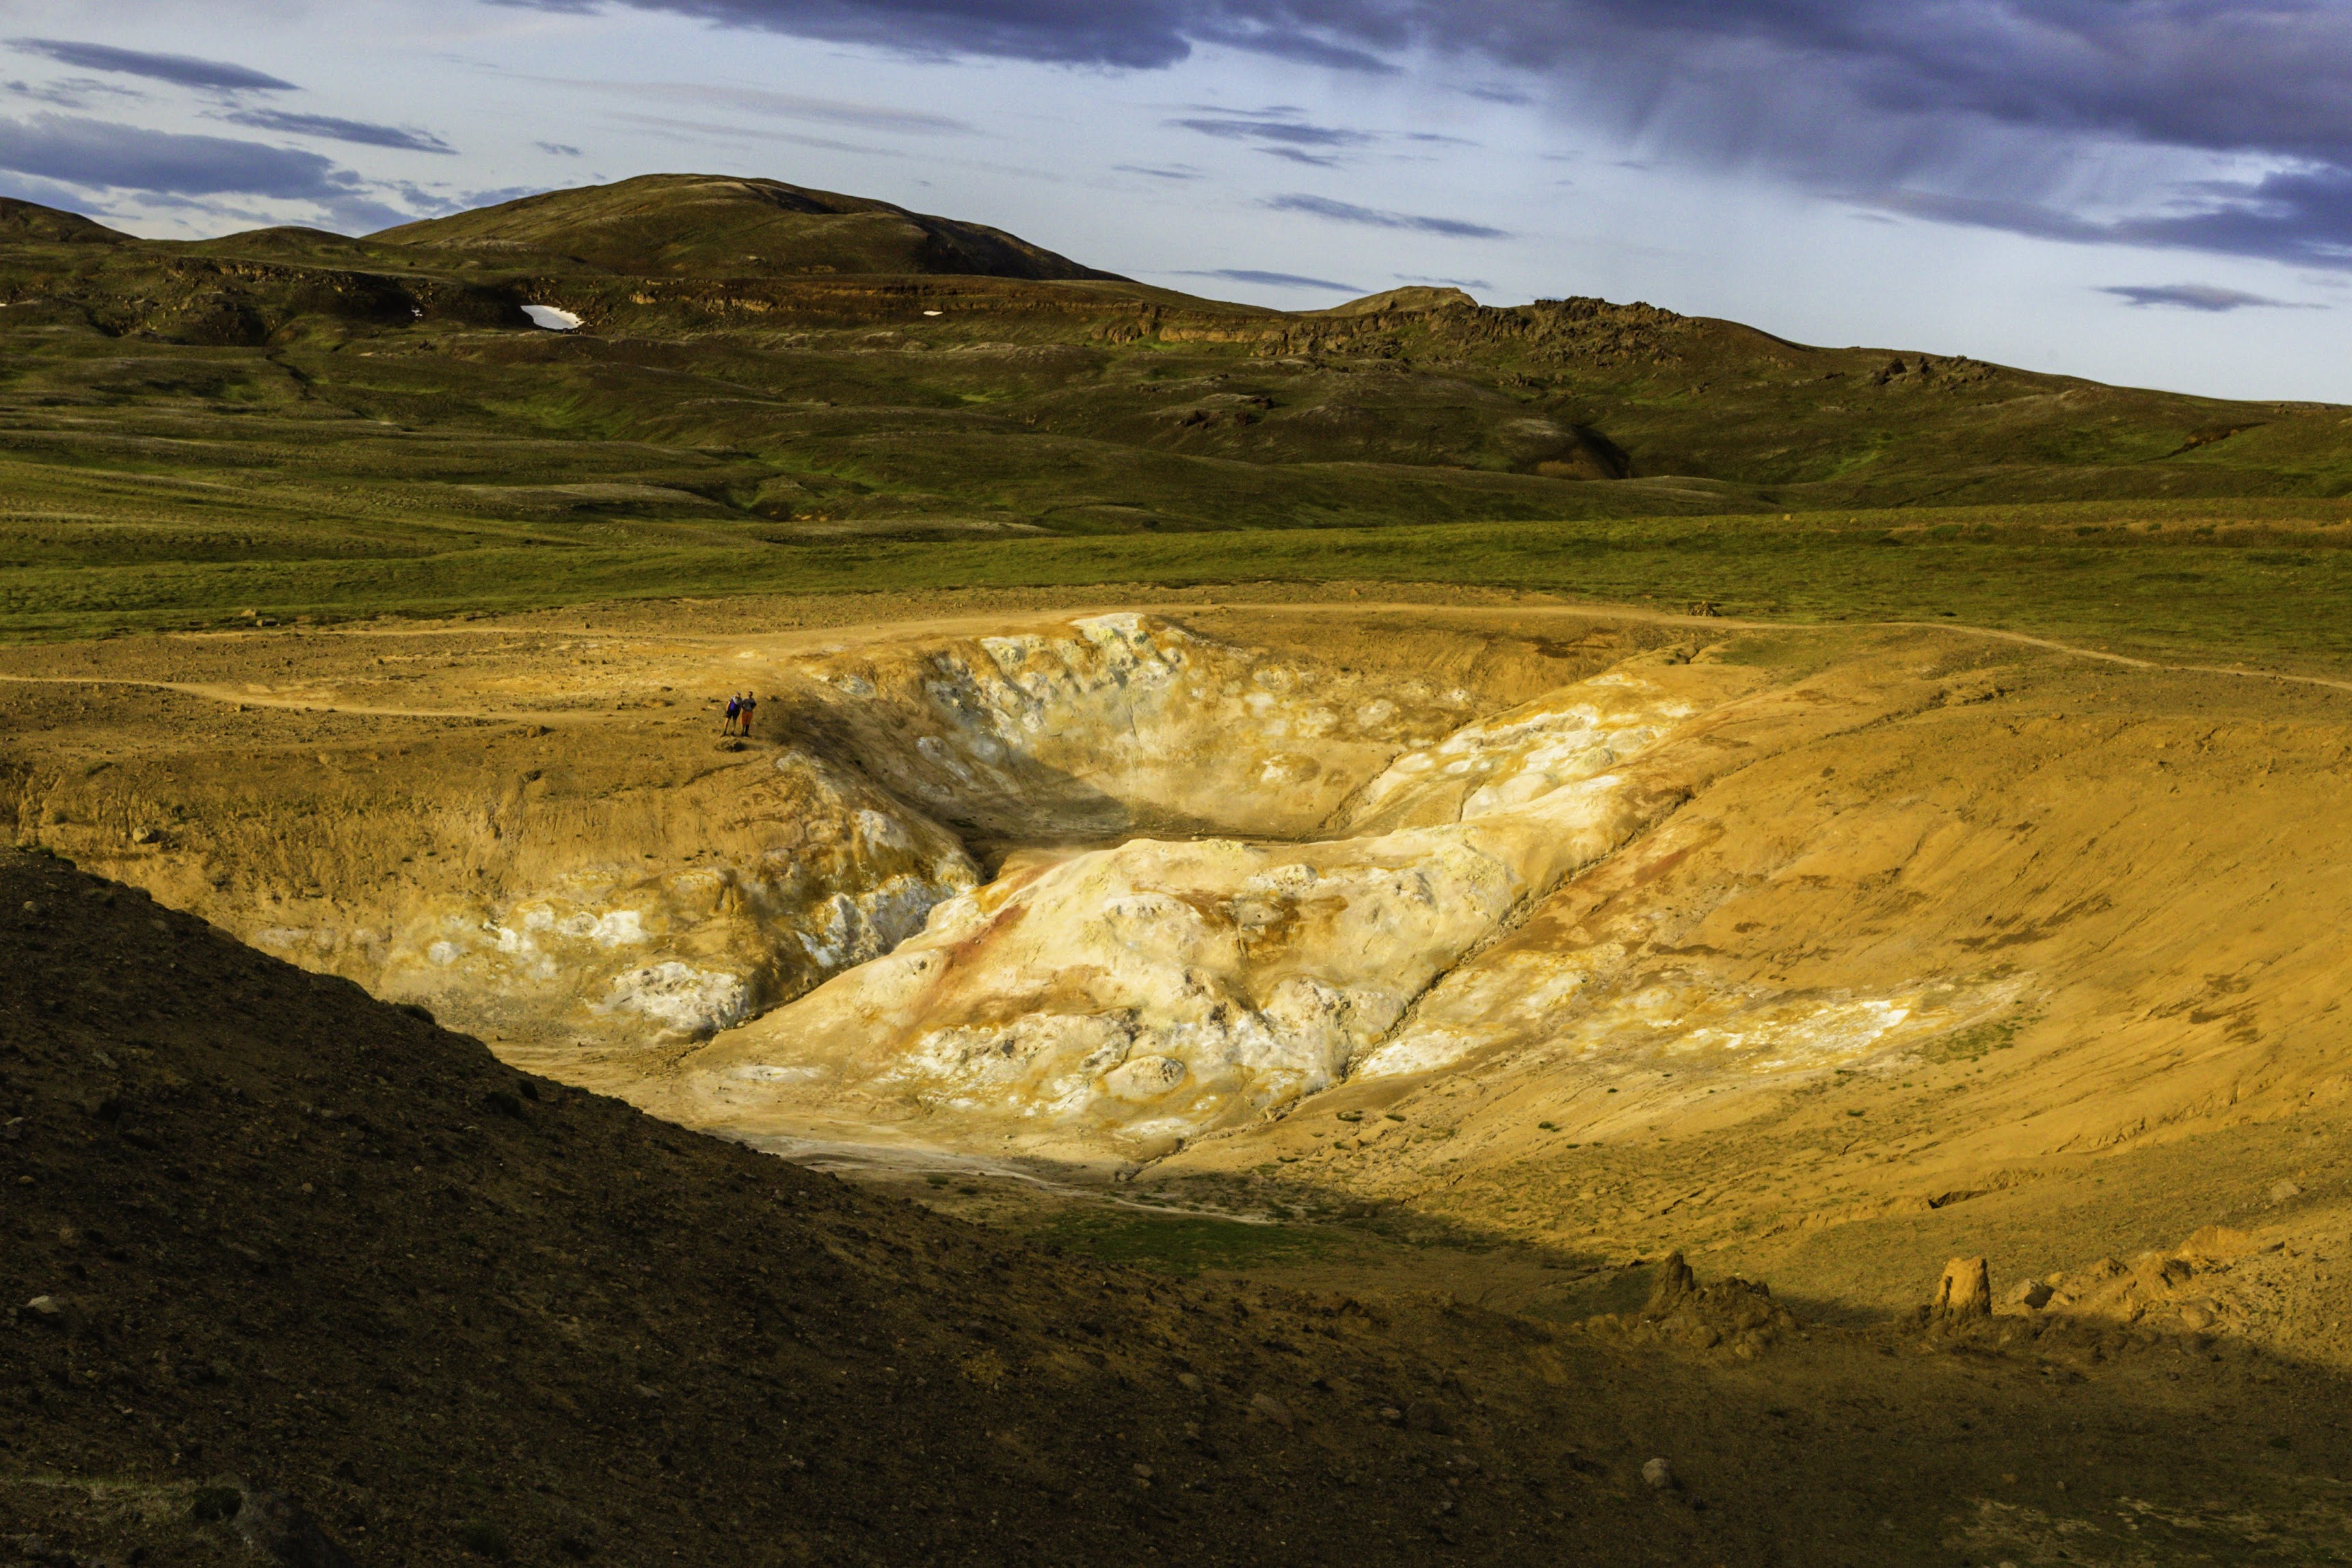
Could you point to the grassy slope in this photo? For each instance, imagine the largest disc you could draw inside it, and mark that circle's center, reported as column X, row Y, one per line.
column 293, row 422
column 693, row 225
column 2259, row 581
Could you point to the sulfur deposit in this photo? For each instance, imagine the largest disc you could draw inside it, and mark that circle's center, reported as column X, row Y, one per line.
column 1143, row 994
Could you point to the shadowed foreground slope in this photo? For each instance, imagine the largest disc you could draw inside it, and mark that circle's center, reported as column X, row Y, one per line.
column 275, row 1231
column 294, row 1277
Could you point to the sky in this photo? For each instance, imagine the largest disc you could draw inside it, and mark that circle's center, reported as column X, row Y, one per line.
column 2156, row 192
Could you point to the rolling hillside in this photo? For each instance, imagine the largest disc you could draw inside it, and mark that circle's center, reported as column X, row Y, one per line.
column 765, row 366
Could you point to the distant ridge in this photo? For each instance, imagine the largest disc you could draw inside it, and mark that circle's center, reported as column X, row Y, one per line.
column 24, row 221
column 710, row 225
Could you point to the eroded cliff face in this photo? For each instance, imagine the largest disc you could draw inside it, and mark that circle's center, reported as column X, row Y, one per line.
column 1145, row 993
column 523, row 886
column 1109, row 725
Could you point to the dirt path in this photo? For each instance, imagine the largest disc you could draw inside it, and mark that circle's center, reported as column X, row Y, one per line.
column 249, row 699
column 807, row 639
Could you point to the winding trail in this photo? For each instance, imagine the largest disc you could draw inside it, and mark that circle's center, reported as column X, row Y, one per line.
column 812, row 639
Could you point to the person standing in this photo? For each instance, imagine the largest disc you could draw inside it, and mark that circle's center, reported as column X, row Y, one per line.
column 734, row 709
column 750, row 702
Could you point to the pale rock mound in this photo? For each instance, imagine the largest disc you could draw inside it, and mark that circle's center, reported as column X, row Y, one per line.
column 1156, row 991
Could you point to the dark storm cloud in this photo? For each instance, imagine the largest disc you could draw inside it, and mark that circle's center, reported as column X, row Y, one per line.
column 107, row 156
column 2205, row 297
column 335, row 130
column 1967, row 100
column 1272, row 279
column 2299, row 216
column 1373, row 217
column 181, row 70
column 1070, row 32
column 2222, row 74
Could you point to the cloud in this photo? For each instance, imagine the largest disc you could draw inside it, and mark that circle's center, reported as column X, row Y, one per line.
column 724, row 130
column 1280, row 129
column 1177, row 173
column 556, row 149
column 1349, row 213
column 2224, row 75
column 335, row 130
column 2297, row 216
column 2020, row 101
column 1272, row 279
column 871, row 117
column 73, row 92
column 106, row 155
column 1441, row 282
column 1131, row 34
column 1278, row 133
column 181, row 70
column 47, row 193
column 2197, row 297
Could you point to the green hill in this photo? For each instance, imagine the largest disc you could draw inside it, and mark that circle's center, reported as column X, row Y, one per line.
column 30, row 223
column 702, row 225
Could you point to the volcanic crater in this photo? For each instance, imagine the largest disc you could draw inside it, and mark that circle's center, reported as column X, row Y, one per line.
column 1592, row 930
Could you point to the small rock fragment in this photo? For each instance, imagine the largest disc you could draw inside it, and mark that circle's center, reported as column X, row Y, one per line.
column 2030, row 1294
column 1658, row 1475
column 2281, row 1191
column 1266, row 1408
column 1425, row 1418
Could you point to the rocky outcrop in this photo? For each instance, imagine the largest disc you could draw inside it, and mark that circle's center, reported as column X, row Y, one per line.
column 1735, row 1315
column 1964, row 1292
